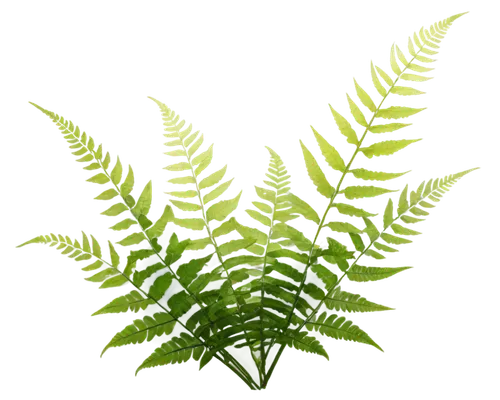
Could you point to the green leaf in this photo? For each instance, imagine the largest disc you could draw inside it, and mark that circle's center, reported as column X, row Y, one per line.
column 358, row 192
column 342, row 227
column 266, row 194
column 316, row 174
column 175, row 249
column 207, row 159
column 386, row 148
column 380, row 79
column 179, row 349
column 144, row 222
column 351, row 210
column 214, row 177
column 107, row 195
column 331, row 155
column 365, row 99
column 191, row 223
column 180, row 180
column 188, row 272
column 339, row 328
column 217, row 192
column 401, row 230
column 420, row 69
column 181, row 205
column 276, row 174
column 261, row 206
column 185, row 194
column 357, row 241
column 221, row 209
column 345, row 127
column 62, row 242
column 371, row 229
column 130, row 302
column 416, row 78
column 159, row 227
column 405, row 91
column 259, row 217
column 282, row 230
column 356, row 112
column 302, row 342
column 388, row 214
column 387, row 127
column 144, row 203
column 345, row 301
column 134, row 238
column 397, row 112
column 115, row 210
column 161, row 323
column 115, row 281
column 358, row 273
column 117, row 172
column 198, row 243
column 383, row 247
column 396, row 240
column 180, row 303
column 95, row 265
column 323, row 273
column 99, row 178
column 432, row 35
column 207, row 357
column 160, row 286
column 125, row 224
column 201, row 157
column 366, row 175
column 374, row 254
column 129, row 181
column 100, row 276
column 300, row 206
column 182, row 166
column 115, row 258
column 233, row 246
column 397, row 58
column 403, row 201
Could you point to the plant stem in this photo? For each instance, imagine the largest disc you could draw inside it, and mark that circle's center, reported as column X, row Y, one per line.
column 235, row 367
column 273, row 365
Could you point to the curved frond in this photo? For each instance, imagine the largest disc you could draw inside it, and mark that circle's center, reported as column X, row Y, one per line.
column 339, row 328
column 302, row 342
column 133, row 301
column 142, row 329
column 345, row 301
column 177, row 350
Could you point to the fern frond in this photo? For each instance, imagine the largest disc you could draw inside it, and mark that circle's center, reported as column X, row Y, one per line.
column 139, row 208
column 344, row 301
column 142, row 329
column 86, row 248
column 187, row 145
column 335, row 160
column 177, row 350
column 301, row 341
column 339, row 328
column 155, row 279
column 133, row 301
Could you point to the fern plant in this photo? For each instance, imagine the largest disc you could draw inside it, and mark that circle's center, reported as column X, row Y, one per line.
column 260, row 288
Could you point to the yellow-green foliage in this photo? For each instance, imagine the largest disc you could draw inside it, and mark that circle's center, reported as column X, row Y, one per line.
column 271, row 285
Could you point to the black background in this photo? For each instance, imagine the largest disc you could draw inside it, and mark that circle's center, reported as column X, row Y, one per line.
column 245, row 82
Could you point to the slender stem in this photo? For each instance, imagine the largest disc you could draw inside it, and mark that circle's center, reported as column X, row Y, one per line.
column 273, row 365
column 263, row 354
column 235, row 367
